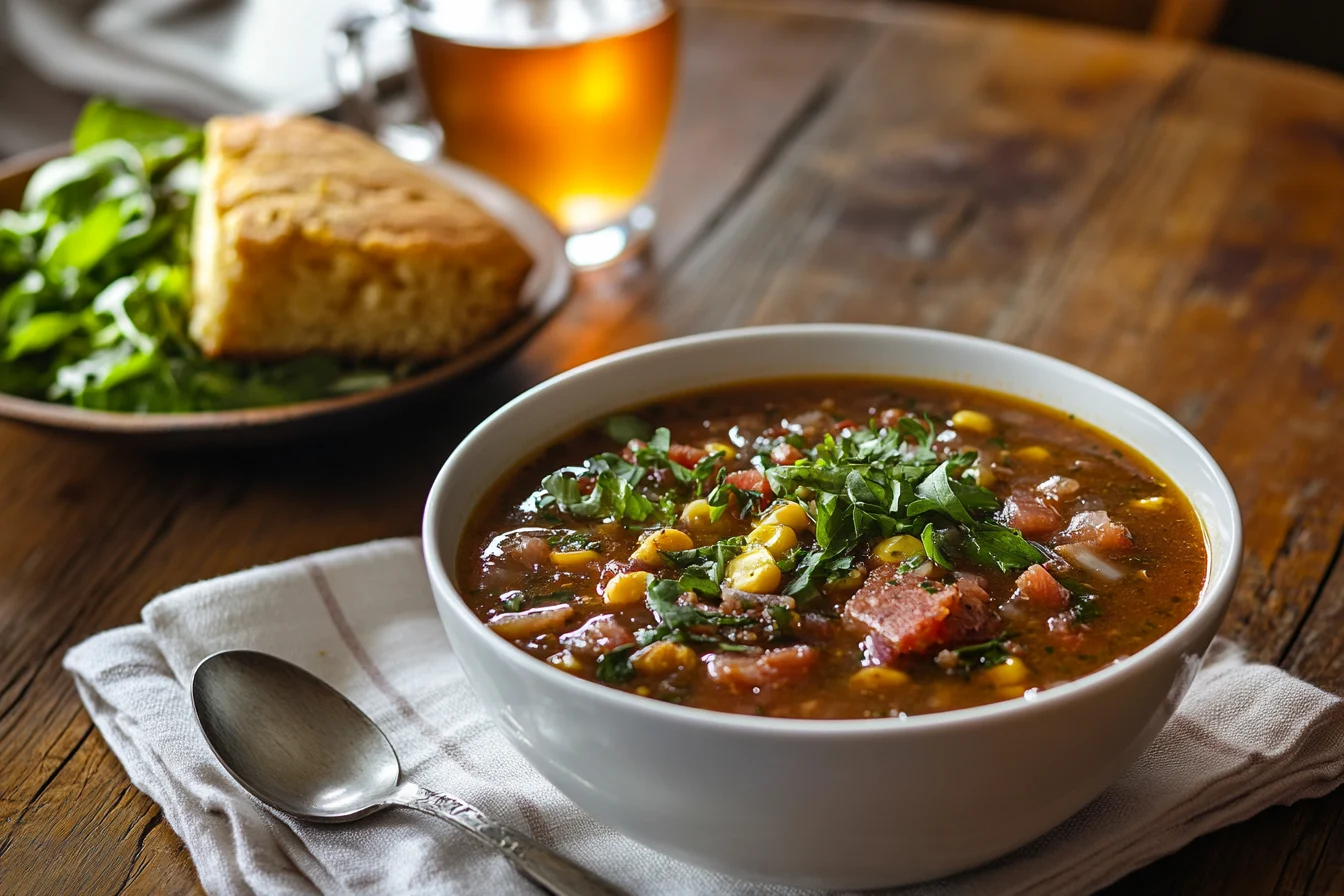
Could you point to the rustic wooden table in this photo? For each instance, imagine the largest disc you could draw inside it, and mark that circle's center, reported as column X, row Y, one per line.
column 1171, row 217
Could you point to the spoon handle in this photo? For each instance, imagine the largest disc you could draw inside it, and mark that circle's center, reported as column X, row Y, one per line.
column 548, row 870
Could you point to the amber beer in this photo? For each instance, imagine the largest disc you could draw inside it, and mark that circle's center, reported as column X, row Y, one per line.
column 575, row 124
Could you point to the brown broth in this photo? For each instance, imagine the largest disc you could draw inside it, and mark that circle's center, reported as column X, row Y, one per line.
column 1164, row 570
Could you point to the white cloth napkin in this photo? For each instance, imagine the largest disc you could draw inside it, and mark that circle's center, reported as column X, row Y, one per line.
column 1248, row 736
column 202, row 56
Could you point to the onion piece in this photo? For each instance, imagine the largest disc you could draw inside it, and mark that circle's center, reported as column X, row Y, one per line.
column 1083, row 557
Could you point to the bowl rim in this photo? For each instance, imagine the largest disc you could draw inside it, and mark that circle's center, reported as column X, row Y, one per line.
column 1213, row 599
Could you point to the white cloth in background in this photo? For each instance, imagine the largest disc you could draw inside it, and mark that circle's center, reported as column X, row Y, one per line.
column 193, row 57
column 211, row 56
column 1247, row 736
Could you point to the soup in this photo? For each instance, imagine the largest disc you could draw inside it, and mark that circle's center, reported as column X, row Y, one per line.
column 834, row 548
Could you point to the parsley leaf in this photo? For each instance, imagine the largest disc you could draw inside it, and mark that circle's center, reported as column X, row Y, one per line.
column 614, row 666
column 514, row 601
column 990, row 544
column 1085, row 607
column 936, row 493
column 718, row 499
column 613, row 494
column 707, row 563
column 675, row 618
column 623, row 428
column 574, row 541
column 932, row 549
column 984, row 655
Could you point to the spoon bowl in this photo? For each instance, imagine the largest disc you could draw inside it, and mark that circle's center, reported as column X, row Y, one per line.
column 292, row 740
column 298, row 745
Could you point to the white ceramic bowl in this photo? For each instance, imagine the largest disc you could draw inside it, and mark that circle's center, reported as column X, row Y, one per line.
column 859, row 803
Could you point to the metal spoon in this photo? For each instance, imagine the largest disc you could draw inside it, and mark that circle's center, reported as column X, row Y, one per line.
column 298, row 745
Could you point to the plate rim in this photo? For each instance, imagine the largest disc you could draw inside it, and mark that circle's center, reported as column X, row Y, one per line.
column 552, row 294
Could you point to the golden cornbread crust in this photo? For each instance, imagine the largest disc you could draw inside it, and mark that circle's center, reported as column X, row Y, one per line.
column 311, row 237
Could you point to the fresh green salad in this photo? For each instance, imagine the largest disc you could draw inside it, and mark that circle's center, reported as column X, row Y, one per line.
column 95, row 283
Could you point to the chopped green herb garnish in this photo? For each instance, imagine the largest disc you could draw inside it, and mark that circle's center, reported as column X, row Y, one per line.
column 624, row 428
column 911, row 563
column 574, row 541
column 515, row 601
column 675, row 618
column 984, row 655
column 724, row 491
column 609, row 487
column 614, row 666
column 1085, row 607
column 705, row 565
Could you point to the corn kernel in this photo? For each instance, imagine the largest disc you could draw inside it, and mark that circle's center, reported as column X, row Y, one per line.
column 789, row 514
column 973, row 421
column 984, row 476
column 729, row 452
column 626, row 588
column 565, row 660
column 873, row 679
column 850, row 581
column 696, row 516
column 754, row 571
column 1011, row 692
column 663, row 658
column 1032, row 454
column 776, row 539
column 1153, row 503
column 574, row 559
column 897, row 548
column 1011, row 671
column 661, row 540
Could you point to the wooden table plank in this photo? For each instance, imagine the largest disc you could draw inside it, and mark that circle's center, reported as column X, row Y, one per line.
column 1168, row 217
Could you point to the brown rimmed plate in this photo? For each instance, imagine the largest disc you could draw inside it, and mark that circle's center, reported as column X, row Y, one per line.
column 545, row 290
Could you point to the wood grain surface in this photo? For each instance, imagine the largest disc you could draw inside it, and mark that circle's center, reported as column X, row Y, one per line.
column 1169, row 216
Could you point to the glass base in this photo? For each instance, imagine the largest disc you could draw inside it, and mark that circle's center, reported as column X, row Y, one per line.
column 607, row 245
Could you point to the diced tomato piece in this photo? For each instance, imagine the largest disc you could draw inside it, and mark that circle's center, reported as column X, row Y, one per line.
column 1031, row 516
column 814, row 627
column 912, row 614
column 972, row 585
column 1038, row 586
column 785, row 454
column 686, row 455
column 752, row 481
column 628, row 452
column 530, row 550
column 773, row 668
column 587, row 484
column 1058, row 488
column 597, row 636
column 889, row 416
column 843, row 425
column 1096, row 528
column 1066, row 632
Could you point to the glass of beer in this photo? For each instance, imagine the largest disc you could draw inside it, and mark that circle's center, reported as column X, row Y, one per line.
column 566, row 101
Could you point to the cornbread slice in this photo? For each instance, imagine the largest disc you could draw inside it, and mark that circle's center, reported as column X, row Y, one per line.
column 311, row 237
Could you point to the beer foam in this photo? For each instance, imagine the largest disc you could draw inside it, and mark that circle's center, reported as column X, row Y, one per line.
column 533, row 23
